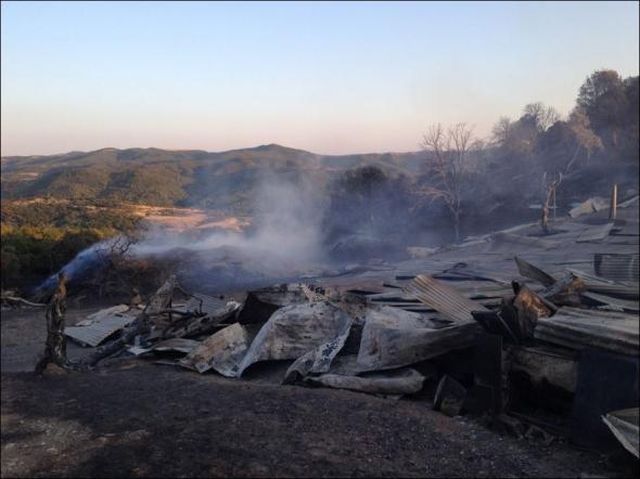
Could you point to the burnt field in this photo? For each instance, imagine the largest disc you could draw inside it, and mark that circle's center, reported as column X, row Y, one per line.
column 142, row 413
column 138, row 419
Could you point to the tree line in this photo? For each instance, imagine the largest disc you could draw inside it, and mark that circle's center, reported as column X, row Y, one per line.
column 525, row 164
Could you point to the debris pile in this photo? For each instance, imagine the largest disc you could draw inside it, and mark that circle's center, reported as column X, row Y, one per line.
column 476, row 328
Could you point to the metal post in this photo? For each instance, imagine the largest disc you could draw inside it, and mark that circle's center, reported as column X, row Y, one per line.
column 614, row 203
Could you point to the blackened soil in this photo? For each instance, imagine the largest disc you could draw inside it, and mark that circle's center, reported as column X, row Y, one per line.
column 139, row 419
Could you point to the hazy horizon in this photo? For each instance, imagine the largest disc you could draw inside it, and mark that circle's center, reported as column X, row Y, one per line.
column 248, row 147
column 330, row 78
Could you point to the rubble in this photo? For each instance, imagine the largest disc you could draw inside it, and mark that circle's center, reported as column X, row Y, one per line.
column 392, row 339
column 520, row 323
column 295, row 330
column 543, row 365
column 582, row 328
column 101, row 325
column 388, row 383
column 591, row 205
column 222, row 351
column 449, row 397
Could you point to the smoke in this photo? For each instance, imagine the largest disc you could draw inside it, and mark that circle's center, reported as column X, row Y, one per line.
column 85, row 261
column 299, row 227
column 285, row 236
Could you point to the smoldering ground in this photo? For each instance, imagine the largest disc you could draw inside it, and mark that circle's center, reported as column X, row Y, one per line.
column 301, row 227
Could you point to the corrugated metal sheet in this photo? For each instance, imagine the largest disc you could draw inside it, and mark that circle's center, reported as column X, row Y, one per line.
column 595, row 233
column 99, row 330
column 446, row 300
column 582, row 328
column 202, row 303
column 221, row 351
column 614, row 303
column 617, row 266
column 181, row 345
column 624, row 426
column 608, row 287
column 509, row 241
column 626, row 228
column 591, row 205
column 633, row 201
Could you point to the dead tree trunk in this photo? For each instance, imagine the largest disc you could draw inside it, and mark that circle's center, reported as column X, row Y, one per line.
column 456, row 225
column 550, row 194
column 56, row 345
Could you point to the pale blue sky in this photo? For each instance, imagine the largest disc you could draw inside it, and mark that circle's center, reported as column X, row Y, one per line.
column 326, row 77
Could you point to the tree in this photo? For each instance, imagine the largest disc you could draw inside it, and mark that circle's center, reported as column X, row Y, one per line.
column 448, row 154
column 518, row 138
column 603, row 98
column 542, row 116
column 501, row 131
column 560, row 145
column 371, row 202
column 585, row 138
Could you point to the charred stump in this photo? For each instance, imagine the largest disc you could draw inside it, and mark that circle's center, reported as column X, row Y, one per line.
column 56, row 346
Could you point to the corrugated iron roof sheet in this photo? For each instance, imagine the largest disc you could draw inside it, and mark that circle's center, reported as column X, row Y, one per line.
column 202, row 303
column 99, row 330
column 445, row 299
column 604, row 286
column 595, row 233
column 617, row 266
column 624, row 426
column 582, row 328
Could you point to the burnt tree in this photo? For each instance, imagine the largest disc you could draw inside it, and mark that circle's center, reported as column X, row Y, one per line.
column 448, row 152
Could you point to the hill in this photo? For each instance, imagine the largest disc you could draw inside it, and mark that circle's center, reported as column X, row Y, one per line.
column 194, row 178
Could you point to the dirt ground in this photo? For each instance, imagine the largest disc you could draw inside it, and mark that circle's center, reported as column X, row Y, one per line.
column 140, row 419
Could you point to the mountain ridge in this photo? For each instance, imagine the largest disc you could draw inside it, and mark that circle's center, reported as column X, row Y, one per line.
column 161, row 177
column 263, row 147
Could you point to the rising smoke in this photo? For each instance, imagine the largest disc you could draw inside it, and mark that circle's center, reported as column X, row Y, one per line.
column 284, row 241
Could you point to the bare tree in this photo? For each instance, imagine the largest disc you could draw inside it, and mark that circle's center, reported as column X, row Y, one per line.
column 448, row 153
column 550, row 185
column 114, row 256
column 501, row 131
column 544, row 116
column 585, row 139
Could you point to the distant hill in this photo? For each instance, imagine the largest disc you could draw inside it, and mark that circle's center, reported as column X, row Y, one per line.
column 221, row 180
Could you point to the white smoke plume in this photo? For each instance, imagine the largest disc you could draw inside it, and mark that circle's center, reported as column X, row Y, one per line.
column 284, row 237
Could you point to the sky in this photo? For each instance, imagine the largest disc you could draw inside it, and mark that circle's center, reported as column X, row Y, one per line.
column 332, row 78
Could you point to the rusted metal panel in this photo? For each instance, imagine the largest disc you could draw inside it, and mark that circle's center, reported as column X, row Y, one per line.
column 446, row 300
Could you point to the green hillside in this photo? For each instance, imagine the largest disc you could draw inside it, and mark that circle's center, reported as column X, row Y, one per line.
column 174, row 178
